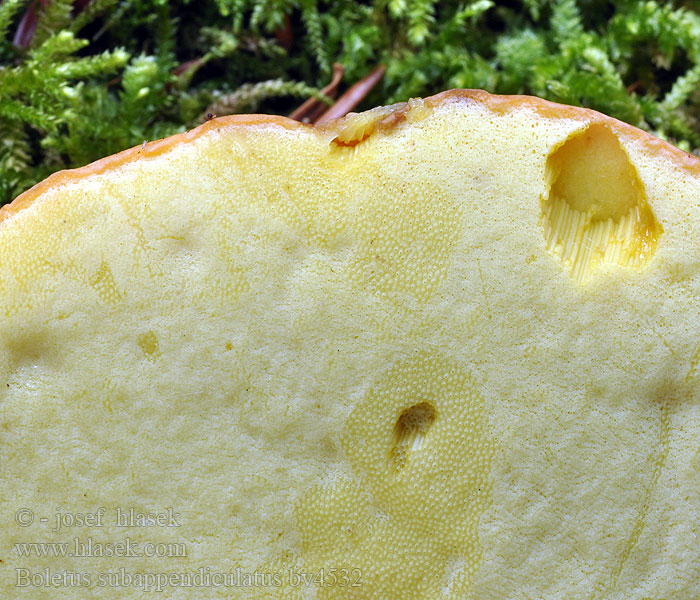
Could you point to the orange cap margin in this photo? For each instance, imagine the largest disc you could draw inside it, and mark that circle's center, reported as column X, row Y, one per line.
column 496, row 103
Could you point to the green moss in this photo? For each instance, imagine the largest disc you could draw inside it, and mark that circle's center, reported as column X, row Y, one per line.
column 97, row 77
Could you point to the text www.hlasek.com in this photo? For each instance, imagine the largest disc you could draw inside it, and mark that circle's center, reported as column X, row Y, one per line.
column 87, row 547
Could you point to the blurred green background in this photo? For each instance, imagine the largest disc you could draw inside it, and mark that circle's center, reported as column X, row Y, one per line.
column 81, row 79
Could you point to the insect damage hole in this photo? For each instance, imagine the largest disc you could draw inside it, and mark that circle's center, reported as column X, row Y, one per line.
column 595, row 211
column 410, row 431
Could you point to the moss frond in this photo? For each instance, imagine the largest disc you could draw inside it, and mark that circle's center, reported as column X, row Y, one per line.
column 249, row 96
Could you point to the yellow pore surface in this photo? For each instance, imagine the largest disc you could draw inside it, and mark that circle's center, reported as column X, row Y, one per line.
column 442, row 350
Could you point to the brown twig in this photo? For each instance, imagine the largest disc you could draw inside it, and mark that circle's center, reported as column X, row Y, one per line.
column 182, row 68
column 353, row 96
column 313, row 107
column 284, row 35
column 27, row 25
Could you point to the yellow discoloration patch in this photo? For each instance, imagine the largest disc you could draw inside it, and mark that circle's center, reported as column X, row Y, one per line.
column 427, row 511
column 103, row 283
column 149, row 344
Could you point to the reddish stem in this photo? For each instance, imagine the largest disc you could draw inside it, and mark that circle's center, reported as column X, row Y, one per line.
column 27, row 25
column 186, row 66
column 313, row 107
column 284, row 35
column 353, row 96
